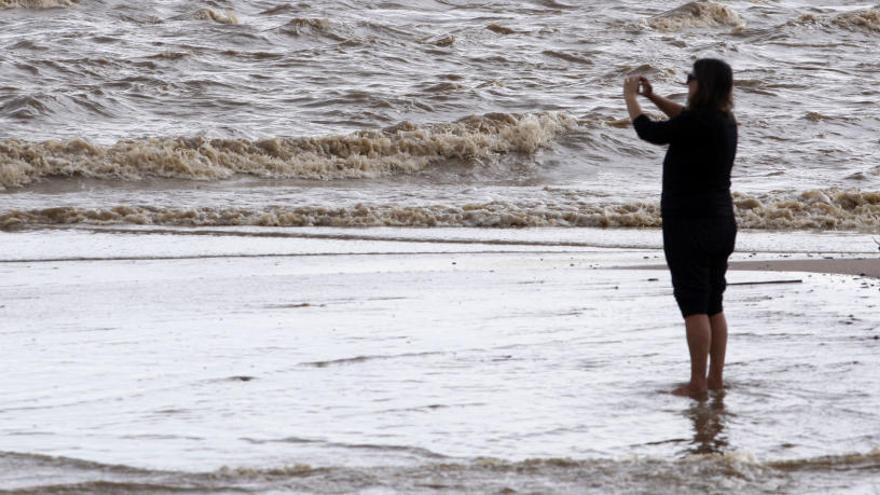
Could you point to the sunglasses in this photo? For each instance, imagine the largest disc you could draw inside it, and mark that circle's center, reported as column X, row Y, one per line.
column 691, row 78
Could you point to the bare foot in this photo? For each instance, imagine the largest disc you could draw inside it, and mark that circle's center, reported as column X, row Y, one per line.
column 690, row 390
column 716, row 384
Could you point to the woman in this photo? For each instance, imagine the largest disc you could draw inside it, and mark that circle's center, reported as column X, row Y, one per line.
column 699, row 228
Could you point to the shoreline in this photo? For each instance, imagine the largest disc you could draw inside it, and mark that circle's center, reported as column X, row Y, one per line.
column 860, row 267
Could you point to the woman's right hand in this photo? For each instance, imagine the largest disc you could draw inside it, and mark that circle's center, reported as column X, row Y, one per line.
column 645, row 88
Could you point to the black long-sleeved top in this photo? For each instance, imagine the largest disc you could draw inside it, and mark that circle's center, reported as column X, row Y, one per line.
column 696, row 170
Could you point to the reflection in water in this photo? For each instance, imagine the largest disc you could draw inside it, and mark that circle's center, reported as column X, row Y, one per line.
column 709, row 420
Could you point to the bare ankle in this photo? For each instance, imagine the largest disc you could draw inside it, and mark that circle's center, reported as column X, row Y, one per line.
column 691, row 389
column 698, row 382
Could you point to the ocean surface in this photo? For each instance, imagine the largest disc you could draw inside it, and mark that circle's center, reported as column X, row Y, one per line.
column 278, row 247
column 421, row 113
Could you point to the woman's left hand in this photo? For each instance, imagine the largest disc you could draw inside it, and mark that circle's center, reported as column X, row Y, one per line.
column 631, row 86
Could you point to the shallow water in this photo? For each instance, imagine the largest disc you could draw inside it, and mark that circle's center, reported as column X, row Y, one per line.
column 298, row 362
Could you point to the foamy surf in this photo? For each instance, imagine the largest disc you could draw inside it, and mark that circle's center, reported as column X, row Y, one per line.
column 832, row 209
column 402, row 149
column 207, row 14
column 860, row 20
column 868, row 19
column 702, row 13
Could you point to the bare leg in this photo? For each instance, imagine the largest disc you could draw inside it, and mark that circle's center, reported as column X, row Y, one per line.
column 717, row 351
column 699, row 339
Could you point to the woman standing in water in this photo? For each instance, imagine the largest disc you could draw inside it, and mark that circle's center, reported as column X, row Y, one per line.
column 699, row 228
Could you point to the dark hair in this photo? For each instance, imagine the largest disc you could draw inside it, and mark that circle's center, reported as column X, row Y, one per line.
column 715, row 86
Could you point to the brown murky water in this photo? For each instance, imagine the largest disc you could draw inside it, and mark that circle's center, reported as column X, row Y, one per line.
column 485, row 114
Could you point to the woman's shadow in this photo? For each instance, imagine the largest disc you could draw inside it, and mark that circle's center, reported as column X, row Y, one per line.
column 709, row 419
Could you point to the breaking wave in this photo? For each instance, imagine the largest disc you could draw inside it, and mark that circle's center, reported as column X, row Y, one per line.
column 867, row 20
column 301, row 26
column 402, row 149
column 486, row 215
column 696, row 14
column 207, row 14
column 831, row 209
column 860, row 20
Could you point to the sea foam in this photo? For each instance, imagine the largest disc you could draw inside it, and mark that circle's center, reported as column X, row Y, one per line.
column 695, row 15
column 402, row 149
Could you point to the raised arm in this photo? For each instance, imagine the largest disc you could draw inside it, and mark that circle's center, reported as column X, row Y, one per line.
column 654, row 132
column 630, row 94
column 667, row 106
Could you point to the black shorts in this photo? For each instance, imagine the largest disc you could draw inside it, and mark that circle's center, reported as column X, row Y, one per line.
column 696, row 252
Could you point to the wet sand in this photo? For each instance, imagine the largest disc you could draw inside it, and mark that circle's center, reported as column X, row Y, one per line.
column 864, row 267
